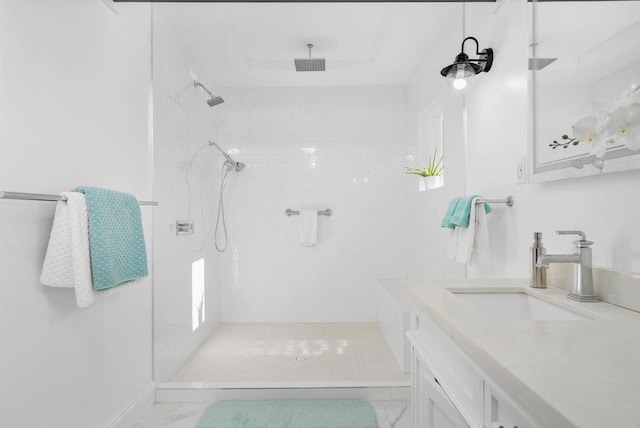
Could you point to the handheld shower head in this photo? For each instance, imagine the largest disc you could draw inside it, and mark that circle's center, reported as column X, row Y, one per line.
column 238, row 166
column 214, row 100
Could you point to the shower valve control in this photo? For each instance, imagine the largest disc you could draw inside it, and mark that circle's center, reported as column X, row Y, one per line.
column 184, row 227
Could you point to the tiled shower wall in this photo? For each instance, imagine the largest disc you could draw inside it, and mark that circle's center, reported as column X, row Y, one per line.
column 186, row 171
column 342, row 148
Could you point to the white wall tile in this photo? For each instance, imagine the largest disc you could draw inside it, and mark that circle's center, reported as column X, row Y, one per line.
column 338, row 148
column 186, row 185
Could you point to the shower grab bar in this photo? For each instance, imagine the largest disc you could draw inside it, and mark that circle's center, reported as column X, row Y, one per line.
column 45, row 197
column 508, row 201
column 289, row 212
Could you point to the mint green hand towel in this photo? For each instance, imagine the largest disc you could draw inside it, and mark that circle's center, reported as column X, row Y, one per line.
column 460, row 217
column 458, row 212
column 446, row 221
column 116, row 241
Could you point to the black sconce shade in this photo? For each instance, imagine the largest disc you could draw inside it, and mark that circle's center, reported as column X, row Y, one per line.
column 464, row 68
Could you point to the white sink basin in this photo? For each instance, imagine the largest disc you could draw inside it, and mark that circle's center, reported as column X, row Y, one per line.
column 515, row 305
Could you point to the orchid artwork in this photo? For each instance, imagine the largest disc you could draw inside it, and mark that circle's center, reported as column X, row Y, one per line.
column 624, row 126
column 615, row 126
column 585, row 89
column 589, row 130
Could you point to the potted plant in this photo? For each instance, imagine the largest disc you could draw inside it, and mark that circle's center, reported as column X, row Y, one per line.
column 432, row 172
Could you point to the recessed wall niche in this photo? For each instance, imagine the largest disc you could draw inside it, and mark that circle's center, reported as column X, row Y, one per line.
column 430, row 144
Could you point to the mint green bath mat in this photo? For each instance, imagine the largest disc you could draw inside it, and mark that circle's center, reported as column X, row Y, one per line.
column 289, row 414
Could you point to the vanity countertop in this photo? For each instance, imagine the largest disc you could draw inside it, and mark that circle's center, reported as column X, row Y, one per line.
column 583, row 373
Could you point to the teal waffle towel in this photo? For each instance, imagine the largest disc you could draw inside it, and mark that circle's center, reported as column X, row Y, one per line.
column 289, row 414
column 446, row 221
column 459, row 210
column 116, row 242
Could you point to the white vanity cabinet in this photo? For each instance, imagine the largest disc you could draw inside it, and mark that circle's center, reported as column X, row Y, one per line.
column 450, row 391
column 432, row 407
column 500, row 411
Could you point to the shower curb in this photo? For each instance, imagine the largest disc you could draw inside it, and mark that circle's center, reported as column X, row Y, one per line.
column 199, row 392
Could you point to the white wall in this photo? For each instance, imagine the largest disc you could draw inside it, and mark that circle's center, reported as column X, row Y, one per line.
column 342, row 148
column 428, row 92
column 186, row 182
column 75, row 88
column 601, row 206
column 496, row 110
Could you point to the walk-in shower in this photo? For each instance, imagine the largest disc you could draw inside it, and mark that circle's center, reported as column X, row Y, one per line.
column 228, row 166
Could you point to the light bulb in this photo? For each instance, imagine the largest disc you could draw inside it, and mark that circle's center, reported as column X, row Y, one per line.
column 459, row 78
column 459, row 83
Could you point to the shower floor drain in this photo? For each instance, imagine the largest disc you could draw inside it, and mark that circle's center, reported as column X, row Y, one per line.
column 301, row 358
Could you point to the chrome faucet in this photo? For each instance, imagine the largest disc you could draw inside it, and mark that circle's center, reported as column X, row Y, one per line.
column 582, row 275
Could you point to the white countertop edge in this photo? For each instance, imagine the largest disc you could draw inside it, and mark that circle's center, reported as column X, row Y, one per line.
column 433, row 298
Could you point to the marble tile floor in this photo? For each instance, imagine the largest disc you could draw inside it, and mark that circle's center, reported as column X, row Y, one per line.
column 292, row 354
column 390, row 414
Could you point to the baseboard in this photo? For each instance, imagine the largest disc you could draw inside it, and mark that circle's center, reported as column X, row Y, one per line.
column 131, row 414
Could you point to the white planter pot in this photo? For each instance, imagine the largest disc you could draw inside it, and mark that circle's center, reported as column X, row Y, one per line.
column 433, row 182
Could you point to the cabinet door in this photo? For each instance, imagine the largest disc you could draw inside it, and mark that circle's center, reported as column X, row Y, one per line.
column 502, row 412
column 456, row 372
column 431, row 406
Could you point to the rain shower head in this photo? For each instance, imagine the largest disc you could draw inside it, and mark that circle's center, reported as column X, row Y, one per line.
column 214, row 100
column 309, row 64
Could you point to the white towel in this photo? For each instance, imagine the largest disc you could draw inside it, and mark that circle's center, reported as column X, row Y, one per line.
column 308, row 227
column 470, row 244
column 481, row 250
column 67, row 262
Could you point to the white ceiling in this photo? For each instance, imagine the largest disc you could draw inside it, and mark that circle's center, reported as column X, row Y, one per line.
column 244, row 44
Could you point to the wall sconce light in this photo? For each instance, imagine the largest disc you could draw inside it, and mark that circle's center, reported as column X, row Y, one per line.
column 461, row 72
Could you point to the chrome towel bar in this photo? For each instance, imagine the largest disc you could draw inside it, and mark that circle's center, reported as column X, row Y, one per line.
column 46, row 197
column 289, row 212
column 508, row 201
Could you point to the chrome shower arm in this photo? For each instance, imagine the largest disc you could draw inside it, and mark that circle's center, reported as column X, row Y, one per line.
column 238, row 166
column 200, row 85
column 225, row 154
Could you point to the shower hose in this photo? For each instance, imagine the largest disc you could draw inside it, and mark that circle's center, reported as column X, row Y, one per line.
column 227, row 167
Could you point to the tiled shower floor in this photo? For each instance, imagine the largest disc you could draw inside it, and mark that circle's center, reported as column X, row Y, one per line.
column 294, row 355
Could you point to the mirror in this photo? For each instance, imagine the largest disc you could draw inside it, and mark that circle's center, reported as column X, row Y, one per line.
column 585, row 88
